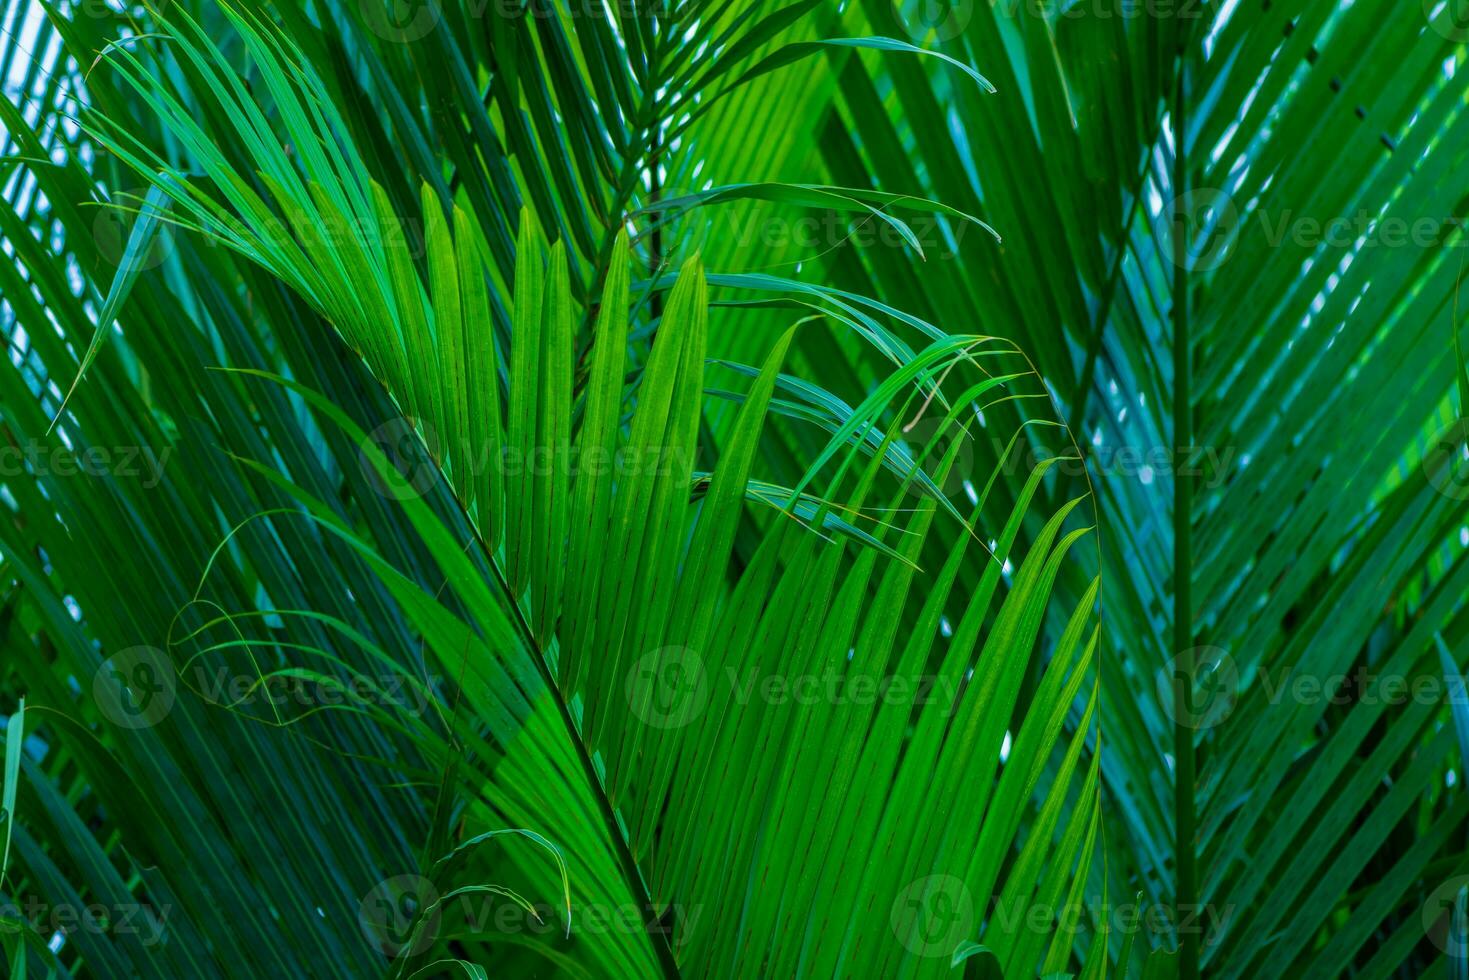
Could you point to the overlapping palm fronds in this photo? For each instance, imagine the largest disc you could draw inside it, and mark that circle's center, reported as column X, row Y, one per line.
column 583, row 488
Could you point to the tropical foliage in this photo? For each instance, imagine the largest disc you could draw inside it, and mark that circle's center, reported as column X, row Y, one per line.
column 667, row 487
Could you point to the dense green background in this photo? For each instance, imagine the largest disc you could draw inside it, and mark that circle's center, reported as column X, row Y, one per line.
column 544, row 720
